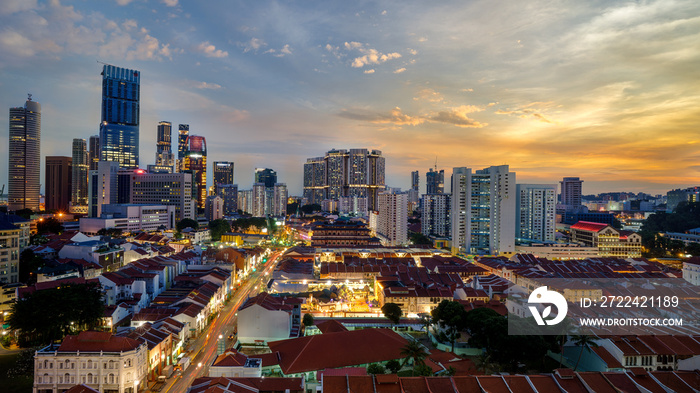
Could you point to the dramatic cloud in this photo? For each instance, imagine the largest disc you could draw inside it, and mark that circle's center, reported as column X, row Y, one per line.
column 210, row 50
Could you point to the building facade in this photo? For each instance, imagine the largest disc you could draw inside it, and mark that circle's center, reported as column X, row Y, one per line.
column 610, row 241
column 195, row 163
column 81, row 165
column 571, row 188
column 314, row 180
column 130, row 218
column 102, row 187
column 119, row 126
column 170, row 189
column 229, row 193
column 266, row 176
column 435, row 220
column 94, row 152
column 9, row 252
column 214, row 208
column 392, row 219
column 57, row 183
column 535, row 212
column 165, row 159
column 435, row 181
column 483, row 210
column 223, row 174
column 24, row 155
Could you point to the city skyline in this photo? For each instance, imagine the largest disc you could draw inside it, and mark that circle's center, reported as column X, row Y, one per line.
column 600, row 91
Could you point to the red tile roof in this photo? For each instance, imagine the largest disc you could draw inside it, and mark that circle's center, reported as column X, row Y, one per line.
column 230, row 358
column 81, row 389
column 91, row 341
column 331, row 326
column 339, row 349
column 236, row 385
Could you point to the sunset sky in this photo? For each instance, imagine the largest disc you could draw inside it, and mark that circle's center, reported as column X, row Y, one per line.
column 607, row 91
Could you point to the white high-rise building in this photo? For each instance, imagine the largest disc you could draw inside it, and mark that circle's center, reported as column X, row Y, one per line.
column 279, row 204
column 392, row 219
column 536, row 211
column 258, row 200
column 483, row 210
column 435, row 219
column 102, row 187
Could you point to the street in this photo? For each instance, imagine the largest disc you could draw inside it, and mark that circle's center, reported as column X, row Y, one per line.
column 203, row 348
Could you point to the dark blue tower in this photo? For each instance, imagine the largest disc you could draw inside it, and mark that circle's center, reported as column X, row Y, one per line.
column 119, row 126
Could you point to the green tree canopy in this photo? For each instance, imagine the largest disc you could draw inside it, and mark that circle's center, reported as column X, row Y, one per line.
column 50, row 314
column 218, row 228
column 393, row 366
column 186, row 223
column 308, row 320
column 393, row 312
column 49, row 225
column 375, row 368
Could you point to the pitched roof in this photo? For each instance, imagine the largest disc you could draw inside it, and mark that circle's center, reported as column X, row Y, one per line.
column 331, row 326
column 236, row 385
column 91, row 341
column 339, row 349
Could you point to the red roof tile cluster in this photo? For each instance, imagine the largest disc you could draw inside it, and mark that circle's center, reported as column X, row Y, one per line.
column 331, row 326
column 91, row 341
column 339, row 349
column 230, row 358
column 247, row 385
column 269, row 302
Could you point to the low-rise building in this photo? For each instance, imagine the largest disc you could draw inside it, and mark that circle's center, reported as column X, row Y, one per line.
column 265, row 318
column 99, row 360
column 609, row 241
column 691, row 270
column 130, row 218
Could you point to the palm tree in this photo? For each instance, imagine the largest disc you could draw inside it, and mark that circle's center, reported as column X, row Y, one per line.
column 415, row 352
column 483, row 361
column 426, row 321
column 585, row 342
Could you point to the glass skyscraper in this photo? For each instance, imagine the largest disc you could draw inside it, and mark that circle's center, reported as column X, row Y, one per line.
column 119, row 127
column 24, row 156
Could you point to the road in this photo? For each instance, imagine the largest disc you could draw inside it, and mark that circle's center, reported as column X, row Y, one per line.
column 203, row 349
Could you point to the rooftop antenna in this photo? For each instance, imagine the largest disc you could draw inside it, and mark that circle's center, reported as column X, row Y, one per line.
column 29, row 96
column 435, row 163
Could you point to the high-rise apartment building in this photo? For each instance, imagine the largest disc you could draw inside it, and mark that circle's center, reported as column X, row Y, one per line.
column 535, row 211
column 223, row 174
column 80, row 167
column 392, row 218
column 483, row 210
column 119, row 126
column 280, row 196
column 571, row 192
column 195, row 162
column 57, row 183
column 345, row 173
column 94, row 152
column 435, row 219
column 435, row 181
column 258, row 200
column 266, row 176
column 415, row 181
column 164, row 154
column 229, row 193
column 102, row 187
column 170, row 189
column 24, row 157
column 314, row 180
column 246, row 201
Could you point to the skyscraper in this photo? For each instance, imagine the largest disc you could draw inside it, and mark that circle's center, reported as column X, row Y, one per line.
column 195, row 162
column 80, row 168
column 57, row 183
column 415, row 180
column 164, row 154
column 24, row 156
column 223, row 174
column 343, row 173
column 229, row 193
column 535, row 211
column 119, row 127
column 435, row 220
column 94, row 152
column 483, row 210
column 182, row 134
column 435, row 181
column 170, row 189
column 392, row 219
column 571, row 192
column 266, row 176
column 102, row 188
column 279, row 204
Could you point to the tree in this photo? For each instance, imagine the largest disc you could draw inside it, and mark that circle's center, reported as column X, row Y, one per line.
column 393, row 312
column 483, row 362
column 186, row 223
column 426, row 321
column 375, row 368
column 47, row 315
column 419, row 239
column 312, row 208
column 308, row 320
column 585, row 342
column 422, row 370
column 218, row 228
column 451, row 317
column 393, row 365
column 414, row 353
column 29, row 263
column 49, row 225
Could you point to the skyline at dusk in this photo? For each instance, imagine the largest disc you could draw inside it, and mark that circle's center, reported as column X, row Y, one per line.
column 603, row 91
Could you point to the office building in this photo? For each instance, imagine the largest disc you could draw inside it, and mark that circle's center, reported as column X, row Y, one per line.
column 280, row 196
column 80, row 168
column 435, row 181
column 314, row 180
column 130, row 218
column 182, row 134
column 392, row 218
column 195, row 163
column 435, row 219
column 94, row 152
column 119, row 126
column 214, row 207
column 170, row 189
column 229, row 193
column 223, row 174
column 571, row 193
column 266, row 176
column 483, row 211
column 345, row 173
column 24, row 157
column 535, row 211
column 57, row 183
column 102, row 187
column 415, row 181
column 165, row 159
